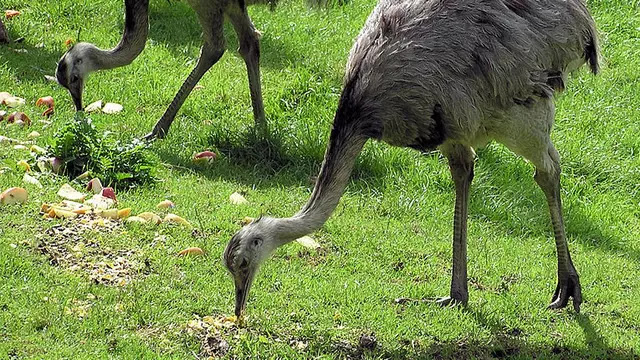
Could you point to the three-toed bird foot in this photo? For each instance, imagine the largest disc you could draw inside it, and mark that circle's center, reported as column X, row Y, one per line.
column 568, row 286
column 158, row 132
column 450, row 301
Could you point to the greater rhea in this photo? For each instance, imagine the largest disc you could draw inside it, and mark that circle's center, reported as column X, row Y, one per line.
column 448, row 75
column 84, row 58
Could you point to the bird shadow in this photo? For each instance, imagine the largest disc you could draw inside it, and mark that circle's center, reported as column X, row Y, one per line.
column 176, row 25
column 266, row 162
column 579, row 226
column 28, row 62
column 504, row 343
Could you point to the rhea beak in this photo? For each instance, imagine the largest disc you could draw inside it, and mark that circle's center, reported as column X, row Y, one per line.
column 243, row 285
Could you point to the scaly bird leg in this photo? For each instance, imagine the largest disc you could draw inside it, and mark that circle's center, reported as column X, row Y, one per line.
column 568, row 280
column 461, row 166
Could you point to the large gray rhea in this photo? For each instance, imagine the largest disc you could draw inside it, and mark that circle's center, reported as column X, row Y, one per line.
column 448, row 75
column 84, row 58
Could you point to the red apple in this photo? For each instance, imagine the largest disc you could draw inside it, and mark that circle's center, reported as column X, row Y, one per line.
column 108, row 192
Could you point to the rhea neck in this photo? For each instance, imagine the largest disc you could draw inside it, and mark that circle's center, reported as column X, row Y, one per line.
column 134, row 37
column 345, row 143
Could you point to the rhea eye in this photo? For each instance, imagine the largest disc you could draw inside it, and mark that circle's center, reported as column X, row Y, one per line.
column 256, row 242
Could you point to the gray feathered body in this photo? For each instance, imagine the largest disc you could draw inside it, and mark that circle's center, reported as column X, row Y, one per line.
column 425, row 72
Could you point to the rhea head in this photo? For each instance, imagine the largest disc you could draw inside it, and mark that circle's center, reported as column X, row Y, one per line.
column 74, row 67
column 244, row 254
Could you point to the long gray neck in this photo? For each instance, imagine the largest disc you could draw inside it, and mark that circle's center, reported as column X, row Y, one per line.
column 345, row 143
column 134, row 37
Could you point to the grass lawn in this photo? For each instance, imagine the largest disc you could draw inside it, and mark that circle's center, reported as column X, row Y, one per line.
column 390, row 236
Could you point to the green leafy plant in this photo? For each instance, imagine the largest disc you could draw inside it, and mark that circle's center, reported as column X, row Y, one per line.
column 80, row 147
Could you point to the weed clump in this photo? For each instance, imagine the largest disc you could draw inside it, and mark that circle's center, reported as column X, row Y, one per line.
column 81, row 148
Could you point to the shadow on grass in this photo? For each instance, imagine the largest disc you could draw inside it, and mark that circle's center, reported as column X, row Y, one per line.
column 269, row 162
column 579, row 226
column 177, row 26
column 27, row 62
column 505, row 343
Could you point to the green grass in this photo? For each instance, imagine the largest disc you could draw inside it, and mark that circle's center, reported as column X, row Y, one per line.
column 389, row 237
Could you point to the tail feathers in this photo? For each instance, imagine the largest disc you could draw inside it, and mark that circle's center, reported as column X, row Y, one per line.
column 591, row 54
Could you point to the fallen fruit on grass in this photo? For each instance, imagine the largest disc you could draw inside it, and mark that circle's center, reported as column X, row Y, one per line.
column 68, row 42
column 20, row 147
column 2, row 114
column 94, row 106
column 48, row 112
column 13, row 195
column 108, row 192
column 173, row 218
column 69, row 193
column 191, row 251
column 95, row 186
column 151, row 217
column 308, row 242
column 4, row 95
column 14, row 101
column 108, row 213
column 33, row 134
column 47, row 101
column 204, row 157
column 31, row 180
column 165, row 204
column 63, row 213
column 11, row 13
column 237, row 199
column 136, row 220
column 100, row 202
column 18, row 116
column 24, row 165
column 124, row 213
column 111, row 108
column 38, row 150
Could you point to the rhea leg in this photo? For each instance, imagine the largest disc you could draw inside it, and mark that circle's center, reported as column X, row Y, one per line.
column 568, row 280
column 461, row 165
column 211, row 52
column 248, row 37
column 527, row 133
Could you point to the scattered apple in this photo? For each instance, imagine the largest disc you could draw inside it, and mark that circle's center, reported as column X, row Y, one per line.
column 191, row 251
column 151, row 217
column 246, row 220
column 4, row 95
column 63, row 213
column 14, row 101
column 69, row 193
column 173, row 218
column 100, row 202
column 68, row 42
column 94, row 106
column 24, row 165
column 17, row 117
column 13, row 195
column 20, row 147
column 109, row 213
column 166, row 204
column 11, row 13
column 111, row 108
column 48, row 112
column 308, row 242
column 47, row 101
column 2, row 114
column 204, row 157
column 124, row 213
column 94, row 186
column 31, row 180
column 136, row 220
column 33, row 134
column 237, row 199
column 108, row 192
column 38, row 150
